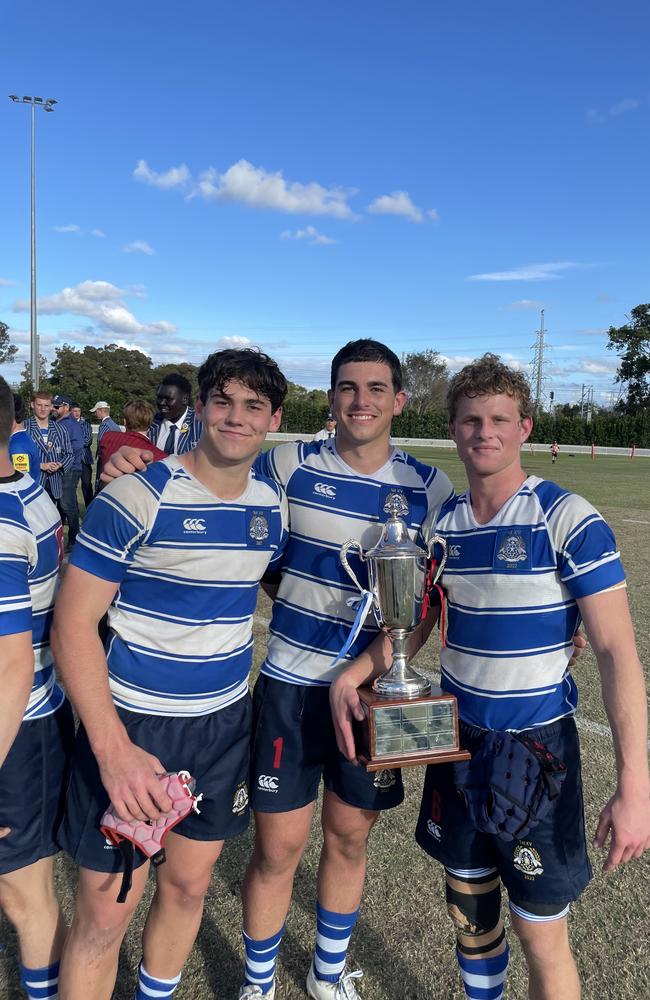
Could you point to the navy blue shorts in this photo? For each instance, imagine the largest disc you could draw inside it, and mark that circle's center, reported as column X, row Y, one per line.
column 546, row 870
column 294, row 746
column 213, row 748
column 33, row 779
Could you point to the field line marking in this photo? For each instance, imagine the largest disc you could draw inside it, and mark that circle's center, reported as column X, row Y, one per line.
column 596, row 728
column 629, row 520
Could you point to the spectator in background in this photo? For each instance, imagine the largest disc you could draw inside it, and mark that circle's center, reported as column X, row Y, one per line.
column 328, row 431
column 175, row 428
column 86, row 456
column 103, row 413
column 23, row 452
column 555, row 449
column 52, row 442
column 71, row 476
column 138, row 418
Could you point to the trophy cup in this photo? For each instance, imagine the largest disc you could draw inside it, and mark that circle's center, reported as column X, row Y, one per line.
column 406, row 722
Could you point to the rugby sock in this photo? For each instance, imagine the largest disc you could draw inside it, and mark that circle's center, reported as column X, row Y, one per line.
column 483, row 978
column 261, row 959
column 333, row 932
column 150, row 988
column 40, row 984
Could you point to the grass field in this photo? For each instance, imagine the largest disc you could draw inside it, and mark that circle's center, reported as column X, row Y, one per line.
column 403, row 940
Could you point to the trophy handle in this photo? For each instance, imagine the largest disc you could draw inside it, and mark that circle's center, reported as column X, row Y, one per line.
column 351, row 545
column 442, row 542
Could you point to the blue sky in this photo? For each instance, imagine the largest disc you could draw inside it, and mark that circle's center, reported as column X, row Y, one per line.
column 295, row 175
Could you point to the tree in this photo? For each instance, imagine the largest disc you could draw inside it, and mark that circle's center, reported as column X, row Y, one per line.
column 632, row 343
column 426, row 379
column 8, row 351
column 113, row 373
column 26, row 387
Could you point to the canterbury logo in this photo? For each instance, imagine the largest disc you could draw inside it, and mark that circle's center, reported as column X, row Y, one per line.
column 194, row 524
column 454, row 551
column 324, row 490
column 267, row 783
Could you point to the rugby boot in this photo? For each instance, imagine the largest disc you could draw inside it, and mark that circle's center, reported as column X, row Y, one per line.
column 250, row 992
column 343, row 989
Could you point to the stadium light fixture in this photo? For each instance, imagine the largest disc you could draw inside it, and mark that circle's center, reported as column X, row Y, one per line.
column 47, row 105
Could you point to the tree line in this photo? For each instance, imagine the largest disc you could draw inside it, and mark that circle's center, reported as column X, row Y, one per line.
column 118, row 375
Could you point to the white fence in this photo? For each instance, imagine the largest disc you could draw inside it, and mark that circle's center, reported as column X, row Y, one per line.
column 536, row 447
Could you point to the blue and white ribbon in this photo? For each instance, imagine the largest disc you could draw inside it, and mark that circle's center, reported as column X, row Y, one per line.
column 364, row 603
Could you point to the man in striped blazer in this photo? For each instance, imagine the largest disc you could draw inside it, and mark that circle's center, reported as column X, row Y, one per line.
column 52, row 442
column 175, row 429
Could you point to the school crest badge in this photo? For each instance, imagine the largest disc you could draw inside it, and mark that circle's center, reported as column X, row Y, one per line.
column 384, row 779
column 512, row 549
column 258, row 528
column 240, row 800
column 527, row 860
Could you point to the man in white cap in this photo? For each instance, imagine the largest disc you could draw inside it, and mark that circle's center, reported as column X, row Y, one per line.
column 102, row 411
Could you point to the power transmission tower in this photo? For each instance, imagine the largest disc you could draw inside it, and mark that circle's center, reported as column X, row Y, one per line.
column 538, row 378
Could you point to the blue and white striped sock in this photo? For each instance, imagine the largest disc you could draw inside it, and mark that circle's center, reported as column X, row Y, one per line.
column 40, row 984
column 333, row 932
column 150, row 988
column 483, row 978
column 261, row 960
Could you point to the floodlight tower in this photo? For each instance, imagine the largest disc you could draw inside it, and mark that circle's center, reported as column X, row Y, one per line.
column 48, row 105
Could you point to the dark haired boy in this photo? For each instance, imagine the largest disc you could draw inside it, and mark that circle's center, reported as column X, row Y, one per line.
column 175, row 554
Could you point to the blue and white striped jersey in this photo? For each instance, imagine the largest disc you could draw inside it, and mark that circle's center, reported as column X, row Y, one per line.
column 30, row 553
column 511, row 586
column 188, row 565
column 329, row 503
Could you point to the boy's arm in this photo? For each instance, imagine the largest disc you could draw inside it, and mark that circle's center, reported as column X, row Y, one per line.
column 128, row 773
column 16, row 678
column 626, row 816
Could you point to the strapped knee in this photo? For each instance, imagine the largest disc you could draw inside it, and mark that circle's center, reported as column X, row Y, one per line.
column 476, row 914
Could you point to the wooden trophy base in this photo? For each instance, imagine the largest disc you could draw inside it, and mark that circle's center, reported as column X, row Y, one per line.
column 403, row 732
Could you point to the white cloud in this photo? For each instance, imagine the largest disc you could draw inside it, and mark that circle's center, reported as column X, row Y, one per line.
column 592, row 331
column 260, row 188
column 7, row 283
column 101, row 302
column 72, row 227
column 600, row 366
column 139, row 246
column 236, row 342
column 399, row 203
column 174, row 177
column 627, row 104
column 99, row 233
column 310, row 234
column 530, row 272
column 525, row 304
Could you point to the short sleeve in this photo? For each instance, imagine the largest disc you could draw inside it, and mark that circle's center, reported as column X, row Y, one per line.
column 587, row 557
column 15, row 598
column 114, row 526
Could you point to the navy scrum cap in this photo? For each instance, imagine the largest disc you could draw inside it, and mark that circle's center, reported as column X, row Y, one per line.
column 59, row 400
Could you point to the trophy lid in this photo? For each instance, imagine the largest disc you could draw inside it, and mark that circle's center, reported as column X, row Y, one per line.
column 395, row 542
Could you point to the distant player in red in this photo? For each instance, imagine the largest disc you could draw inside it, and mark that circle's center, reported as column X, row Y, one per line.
column 555, row 448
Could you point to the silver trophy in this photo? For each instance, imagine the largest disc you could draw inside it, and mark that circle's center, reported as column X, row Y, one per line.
column 398, row 572
column 404, row 723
